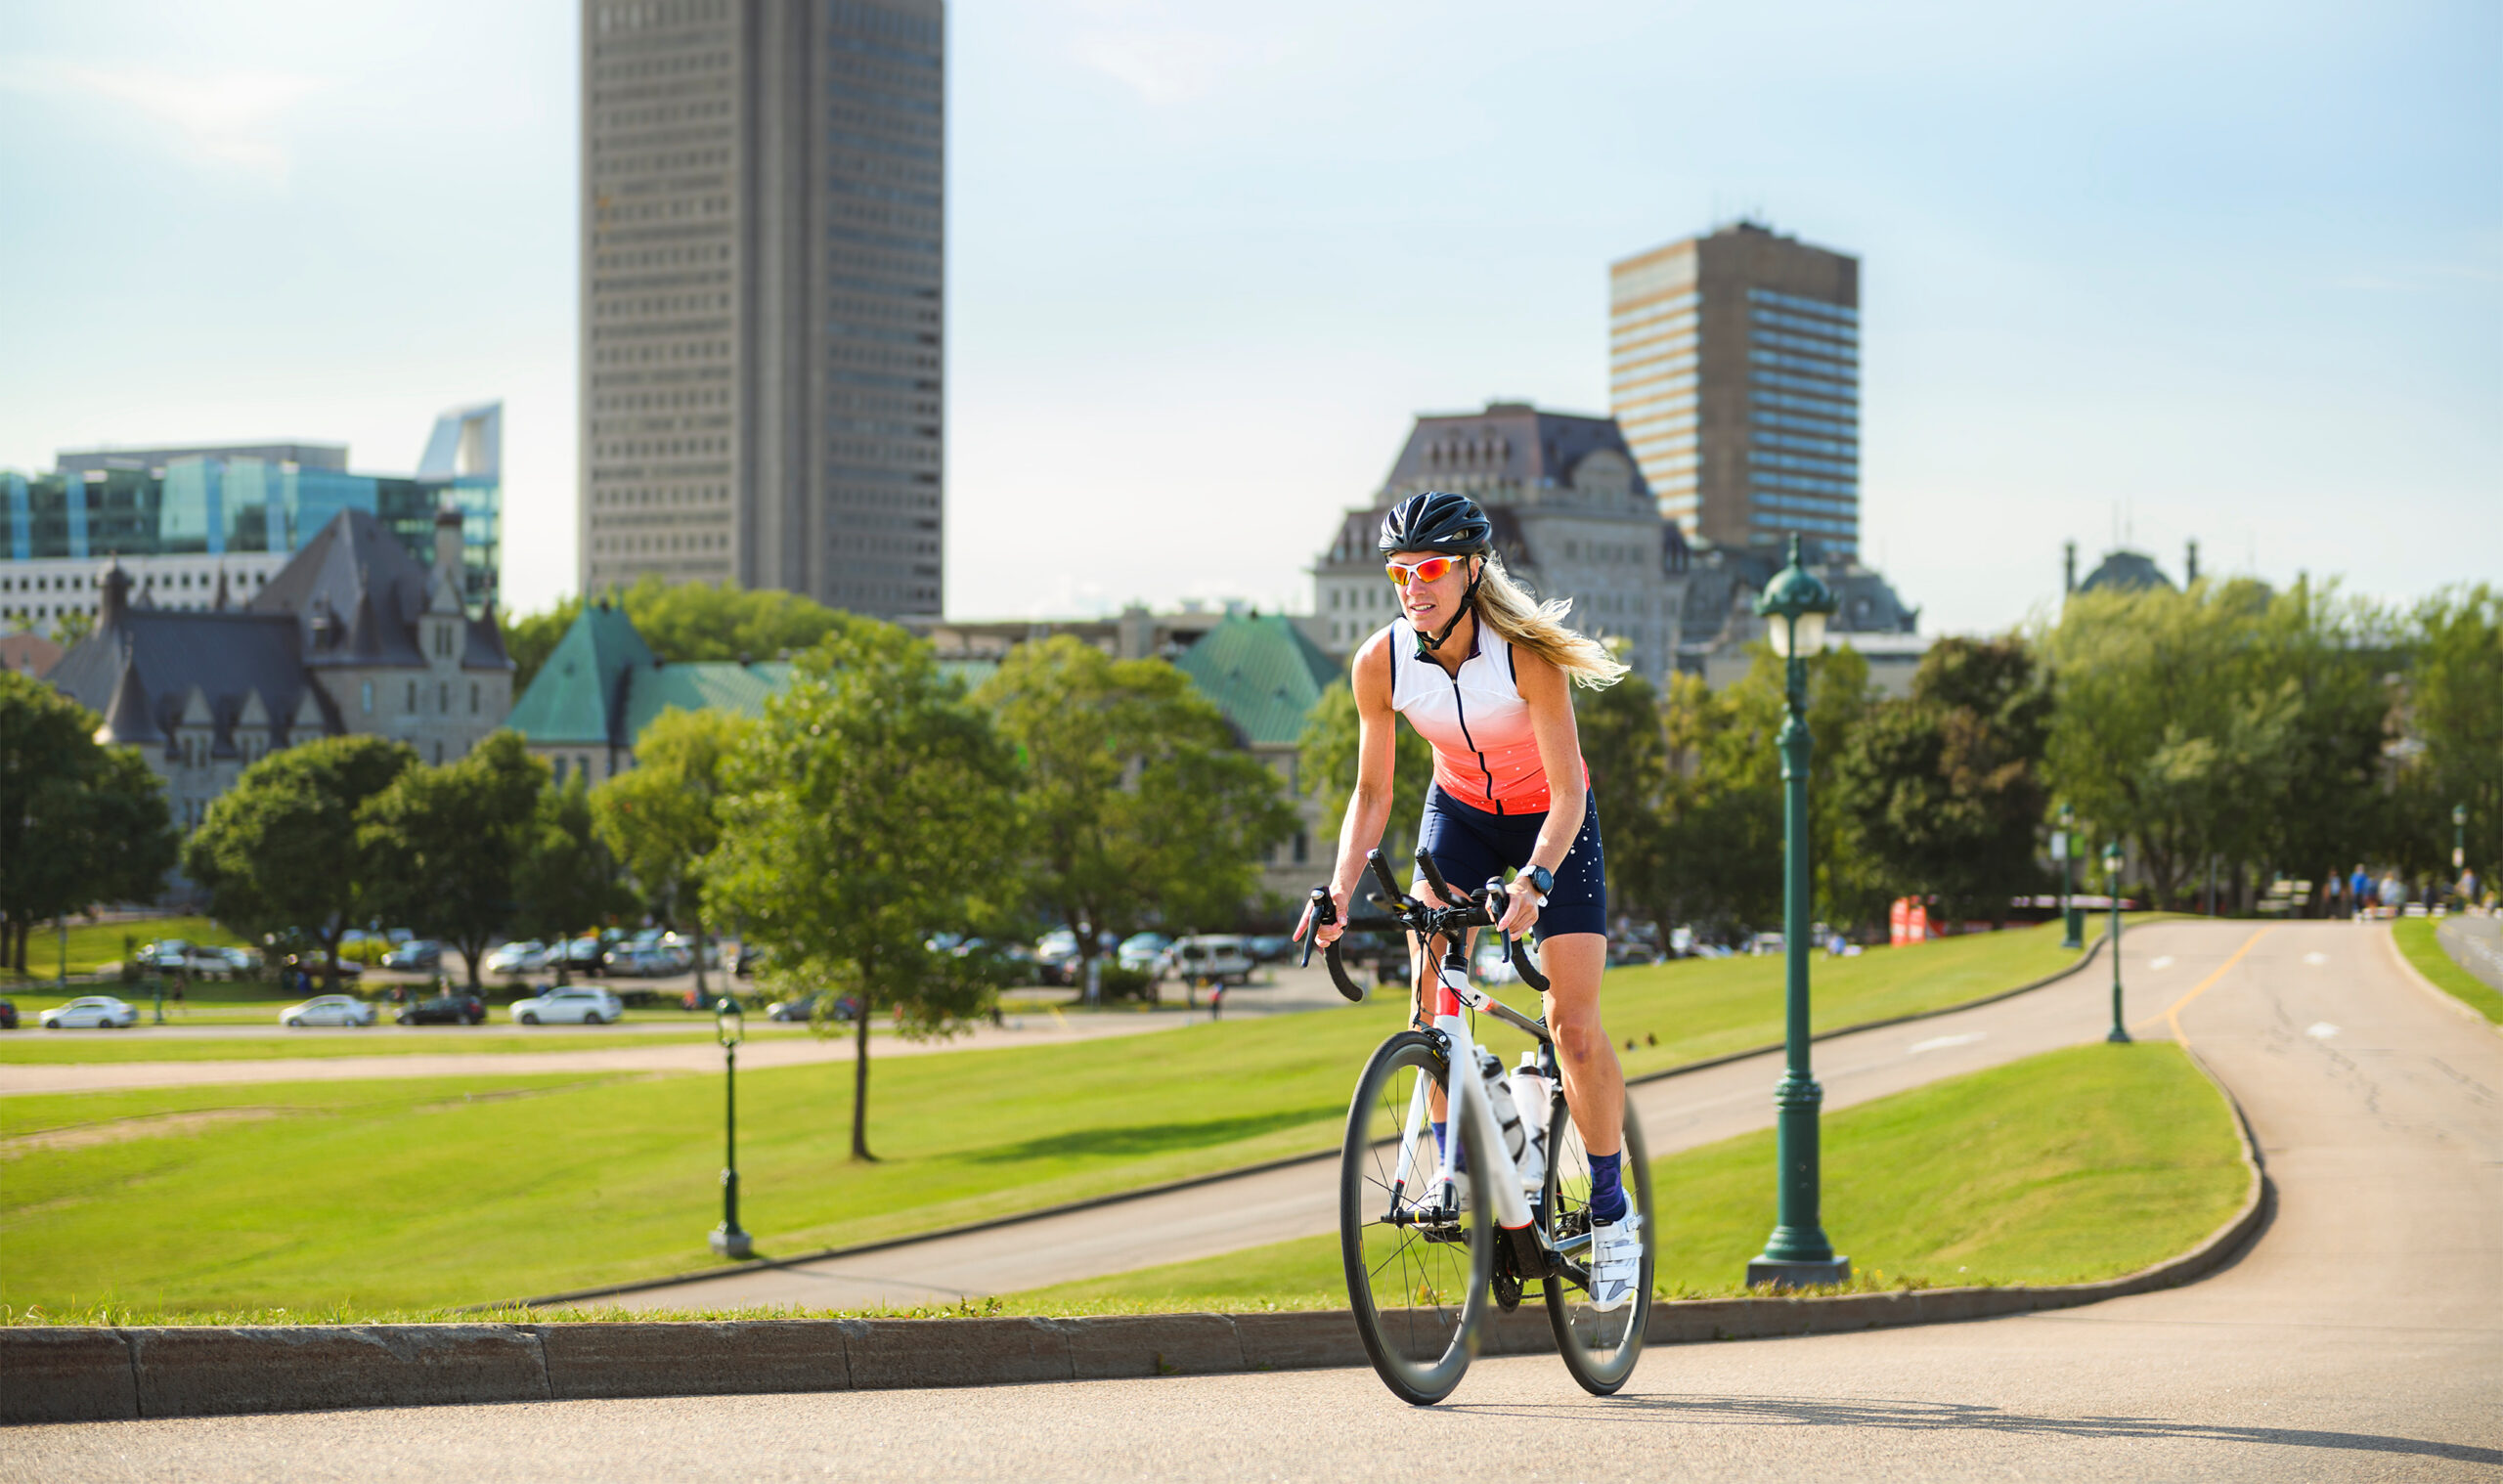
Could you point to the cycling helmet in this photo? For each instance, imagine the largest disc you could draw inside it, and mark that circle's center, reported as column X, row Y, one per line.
column 1439, row 520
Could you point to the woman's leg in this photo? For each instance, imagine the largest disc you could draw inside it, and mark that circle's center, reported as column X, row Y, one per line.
column 1593, row 1083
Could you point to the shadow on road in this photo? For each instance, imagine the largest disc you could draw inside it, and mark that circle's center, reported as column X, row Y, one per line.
column 1138, row 1139
column 1950, row 1417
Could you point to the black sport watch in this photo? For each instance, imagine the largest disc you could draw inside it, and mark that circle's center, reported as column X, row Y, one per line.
column 1541, row 880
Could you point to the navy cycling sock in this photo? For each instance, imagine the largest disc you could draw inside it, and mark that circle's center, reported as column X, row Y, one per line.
column 1608, row 1188
column 1442, row 1144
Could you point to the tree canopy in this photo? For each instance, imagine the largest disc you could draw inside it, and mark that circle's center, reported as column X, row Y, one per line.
column 661, row 818
column 278, row 852
column 566, row 880
column 441, row 846
column 80, row 822
column 682, row 621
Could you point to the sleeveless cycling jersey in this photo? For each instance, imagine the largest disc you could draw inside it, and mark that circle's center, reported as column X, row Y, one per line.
column 1486, row 755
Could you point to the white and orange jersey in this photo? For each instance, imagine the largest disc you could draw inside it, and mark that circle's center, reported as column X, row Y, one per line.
column 1485, row 754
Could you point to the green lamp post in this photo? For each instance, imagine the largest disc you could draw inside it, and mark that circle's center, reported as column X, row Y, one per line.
column 1797, row 1252
column 2112, row 883
column 2072, row 921
column 730, row 1028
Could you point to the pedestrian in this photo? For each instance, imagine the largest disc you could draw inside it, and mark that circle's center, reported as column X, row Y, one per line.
column 2359, row 892
column 1216, row 1002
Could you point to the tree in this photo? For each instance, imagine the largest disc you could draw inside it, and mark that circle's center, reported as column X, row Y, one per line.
column 80, row 822
column 1133, row 797
column 1625, row 743
column 2227, row 723
column 1944, row 788
column 530, row 639
column 2455, row 705
column 278, row 852
column 869, row 810
column 442, row 846
column 567, row 880
column 663, row 816
column 682, row 621
column 1328, row 749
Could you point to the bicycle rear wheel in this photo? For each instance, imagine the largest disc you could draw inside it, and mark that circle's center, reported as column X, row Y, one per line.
column 1419, row 1273
column 1599, row 1349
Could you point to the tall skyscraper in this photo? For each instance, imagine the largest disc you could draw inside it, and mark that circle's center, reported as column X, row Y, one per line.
column 762, row 248
column 1733, row 365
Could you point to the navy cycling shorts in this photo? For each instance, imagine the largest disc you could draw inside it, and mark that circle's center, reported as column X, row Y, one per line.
column 1470, row 845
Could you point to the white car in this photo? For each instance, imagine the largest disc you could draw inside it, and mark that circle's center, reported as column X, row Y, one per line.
column 588, row 1007
column 528, row 956
column 1221, row 957
column 327, row 1010
column 89, row 1011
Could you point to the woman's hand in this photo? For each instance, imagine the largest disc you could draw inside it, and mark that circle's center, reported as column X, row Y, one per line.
column 1523, row 911
column 1329, row 931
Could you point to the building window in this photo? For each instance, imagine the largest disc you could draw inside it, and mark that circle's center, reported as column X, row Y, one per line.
column 559, row 776
column 585, row 765
column 438, row 752
column 413, row 697
column 367, row 697
column 443, row 697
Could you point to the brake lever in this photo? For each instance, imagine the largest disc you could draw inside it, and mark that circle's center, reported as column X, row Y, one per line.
column 1325, row 911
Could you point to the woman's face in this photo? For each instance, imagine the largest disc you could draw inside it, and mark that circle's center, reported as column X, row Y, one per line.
column 1429, row 605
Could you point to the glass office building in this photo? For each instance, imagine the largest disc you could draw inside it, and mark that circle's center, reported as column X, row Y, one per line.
column 181, row 520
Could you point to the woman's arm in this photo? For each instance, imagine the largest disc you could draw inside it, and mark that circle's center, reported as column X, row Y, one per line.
column 1560, row 752
column 1369, row 806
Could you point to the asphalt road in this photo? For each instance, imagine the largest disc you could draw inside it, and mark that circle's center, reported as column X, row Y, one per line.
column 2360, row 1338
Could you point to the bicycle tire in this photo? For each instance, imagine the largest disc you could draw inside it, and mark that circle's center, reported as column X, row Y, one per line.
column 1419, row 1290
column 1600, row 1351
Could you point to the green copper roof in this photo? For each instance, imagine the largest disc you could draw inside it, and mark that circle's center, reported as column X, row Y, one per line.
column 1262, row 673
column 572, row 698
column 603, row 686
column 700, row 685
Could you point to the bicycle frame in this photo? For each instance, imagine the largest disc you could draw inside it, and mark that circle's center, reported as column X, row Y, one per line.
column 1466, row 1099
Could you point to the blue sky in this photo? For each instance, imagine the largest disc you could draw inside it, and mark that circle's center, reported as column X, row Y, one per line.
column 2223, row 272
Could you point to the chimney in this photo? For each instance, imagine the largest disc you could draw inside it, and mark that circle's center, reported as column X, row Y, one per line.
column 447, row 547
column 2067, row 578
column 2190, row 565
column 117, row 599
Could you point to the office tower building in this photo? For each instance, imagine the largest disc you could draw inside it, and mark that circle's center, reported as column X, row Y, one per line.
column 762, row 236
column 1733, row 368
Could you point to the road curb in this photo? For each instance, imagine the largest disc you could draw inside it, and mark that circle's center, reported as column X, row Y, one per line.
column 1142, row 1193
column 2446, row 999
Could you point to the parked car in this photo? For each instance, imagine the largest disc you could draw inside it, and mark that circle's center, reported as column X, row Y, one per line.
column 8, row 1015
column 683, row 945
column 804, row 1008
column 1269, row 947
column 527, row 956
column 175, row 955
column 445, row 1010
column 90, row 1012
column 1056, row 956
column 1216, row 957
column 645, row 961
column 327, row 1010
column 583, row 954
column 1144, row 953
column 416, row 955
column 586, row 1005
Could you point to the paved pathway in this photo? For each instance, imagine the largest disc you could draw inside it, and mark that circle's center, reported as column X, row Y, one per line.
column 2475, row 943
column 2362, row 1338
column 1302, row 1200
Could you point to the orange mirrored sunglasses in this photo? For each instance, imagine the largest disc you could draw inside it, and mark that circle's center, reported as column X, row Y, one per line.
column 1429, row 570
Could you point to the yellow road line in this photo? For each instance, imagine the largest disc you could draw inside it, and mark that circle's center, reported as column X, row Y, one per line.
column 1058, row 1018
column 2173, row 1018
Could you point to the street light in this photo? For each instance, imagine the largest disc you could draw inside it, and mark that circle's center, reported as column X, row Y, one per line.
column 730, row 1028
column 1797, row 1252
column 2072, row 923
column 2112, row 883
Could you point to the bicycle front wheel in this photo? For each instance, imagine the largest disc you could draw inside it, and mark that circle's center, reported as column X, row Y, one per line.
column 1599, row 1348
column 1419, row 1268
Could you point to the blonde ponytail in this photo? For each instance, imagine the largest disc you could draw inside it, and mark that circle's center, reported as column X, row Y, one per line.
column 1539, row 627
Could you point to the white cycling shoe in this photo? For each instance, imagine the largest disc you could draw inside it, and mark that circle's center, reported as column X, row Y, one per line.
column 1616, row 1262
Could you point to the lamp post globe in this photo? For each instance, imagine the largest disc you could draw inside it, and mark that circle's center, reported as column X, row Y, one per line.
column 1798, row 1253
column 2112, row 885
column 729, row 1027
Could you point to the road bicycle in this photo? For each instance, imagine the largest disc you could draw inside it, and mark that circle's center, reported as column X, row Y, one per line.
column 1460, row 1187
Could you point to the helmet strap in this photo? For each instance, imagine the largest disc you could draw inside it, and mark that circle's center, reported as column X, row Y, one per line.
column 1427, row 645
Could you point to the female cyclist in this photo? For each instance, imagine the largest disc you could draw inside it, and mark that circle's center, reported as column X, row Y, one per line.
column 1482, row 672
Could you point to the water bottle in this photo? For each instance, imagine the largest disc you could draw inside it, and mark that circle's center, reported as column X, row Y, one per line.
column 1531, row 1093
column 1499, row 1096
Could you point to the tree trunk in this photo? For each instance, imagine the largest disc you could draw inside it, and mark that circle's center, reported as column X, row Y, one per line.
column 861, row 1077
column 330, row 963
column 470, row 956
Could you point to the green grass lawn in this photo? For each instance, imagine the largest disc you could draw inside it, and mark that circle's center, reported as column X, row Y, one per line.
column 422, row 1192
column 2075, row 1165
column 2417, row 940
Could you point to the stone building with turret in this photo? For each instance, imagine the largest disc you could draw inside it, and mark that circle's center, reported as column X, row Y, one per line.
column 351, row 637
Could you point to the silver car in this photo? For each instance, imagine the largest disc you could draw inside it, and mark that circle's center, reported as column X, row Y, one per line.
column 92, row 1012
